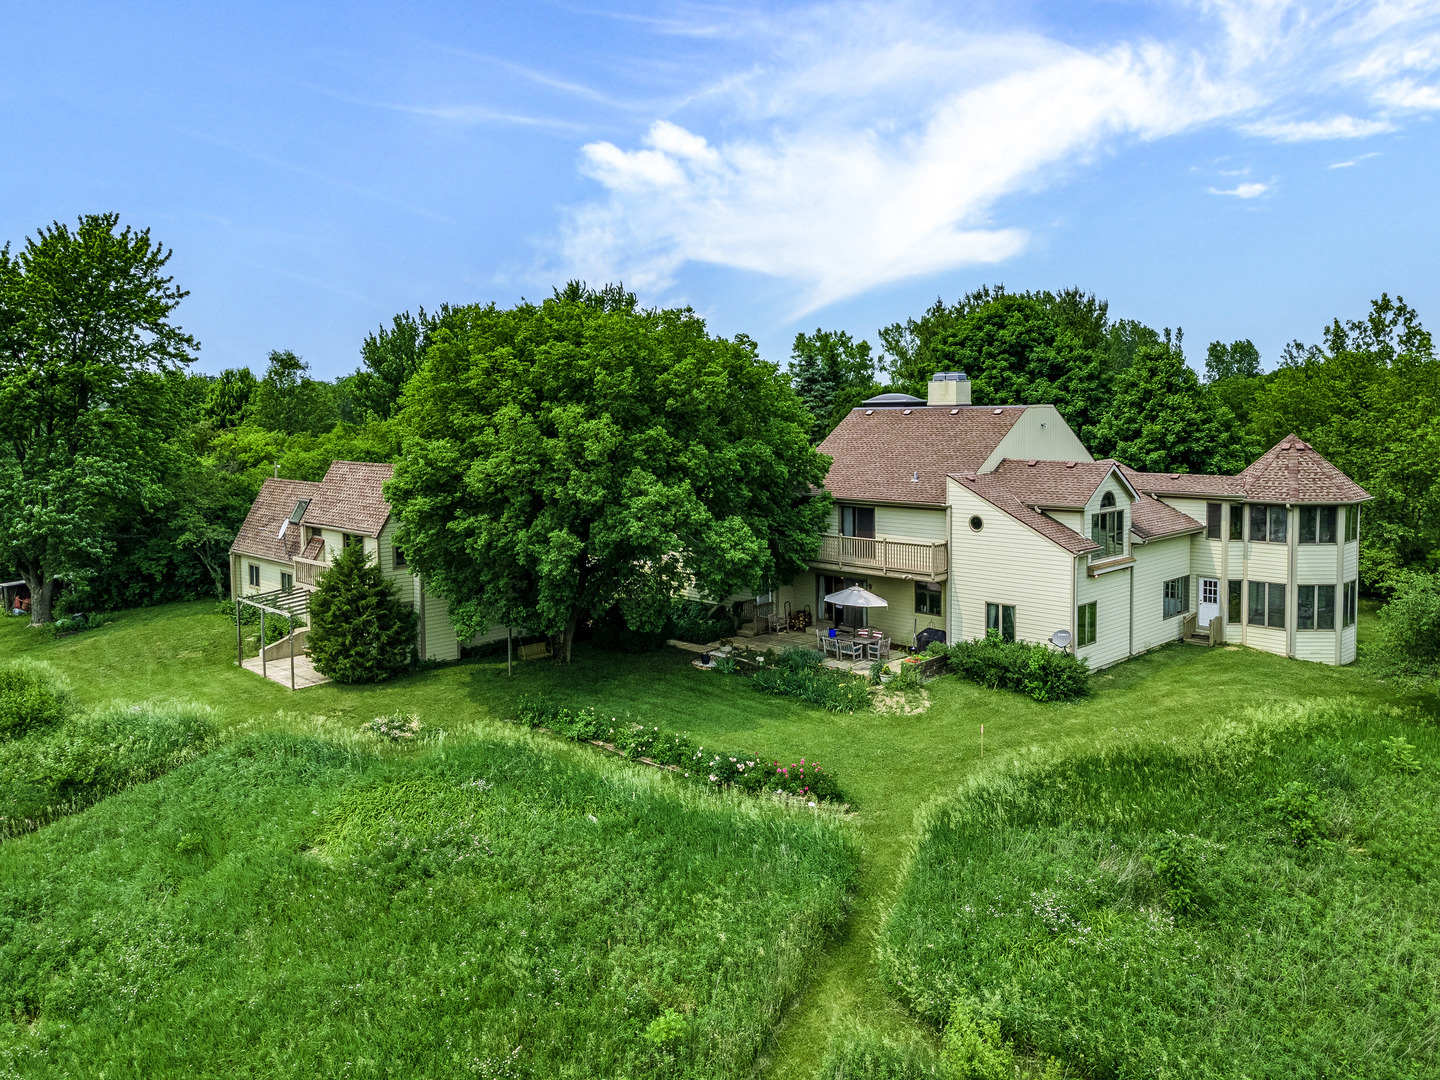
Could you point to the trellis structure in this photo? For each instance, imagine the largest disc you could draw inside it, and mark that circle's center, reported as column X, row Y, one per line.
column 292, row 604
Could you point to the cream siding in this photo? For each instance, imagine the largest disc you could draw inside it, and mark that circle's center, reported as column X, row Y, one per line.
column 1193, row 508
column 1315, row 564
column 1266, row 562
column 1205, row 555
column 1266, row 639
column 1111, row 596
column 1156, row 563
column 1041, row 432
column 910, row 522
column 269, row 575
column 1073, row 520
column 1352, row 562
column 1317, row 645
column 1347, row 645
column 1006, row 563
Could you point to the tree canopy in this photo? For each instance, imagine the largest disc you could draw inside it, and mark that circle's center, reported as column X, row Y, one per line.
column 1160, row 419
column 831, row 373
column 289, row 401
column 86, row 341
column 1032, row 349
column 1368, row 398
column 388, row 359
column 583, row 453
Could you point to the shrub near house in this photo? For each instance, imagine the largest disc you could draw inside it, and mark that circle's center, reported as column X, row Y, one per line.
column 360, row 632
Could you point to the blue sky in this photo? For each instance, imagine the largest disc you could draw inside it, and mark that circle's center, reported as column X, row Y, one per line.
column 1238, row 169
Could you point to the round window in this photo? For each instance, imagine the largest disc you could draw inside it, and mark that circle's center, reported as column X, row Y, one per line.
column 977, row 523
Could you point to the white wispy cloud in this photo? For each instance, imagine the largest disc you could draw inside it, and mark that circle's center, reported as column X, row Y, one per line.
column 872, row 143
column 1249, row 190
column 1334, row 127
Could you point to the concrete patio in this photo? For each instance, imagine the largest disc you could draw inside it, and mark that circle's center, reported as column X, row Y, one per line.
column 278, row 671
column 802, row 639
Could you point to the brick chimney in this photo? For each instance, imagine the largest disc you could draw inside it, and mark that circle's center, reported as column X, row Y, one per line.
column 948, row 388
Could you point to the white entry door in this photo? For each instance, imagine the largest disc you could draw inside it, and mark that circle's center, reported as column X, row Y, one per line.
column 1209, row 600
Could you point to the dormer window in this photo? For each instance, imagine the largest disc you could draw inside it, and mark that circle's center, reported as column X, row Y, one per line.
column 1107, row 528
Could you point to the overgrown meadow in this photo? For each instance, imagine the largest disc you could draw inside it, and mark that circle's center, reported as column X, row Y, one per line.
column 303, row 906
column 1262, row 903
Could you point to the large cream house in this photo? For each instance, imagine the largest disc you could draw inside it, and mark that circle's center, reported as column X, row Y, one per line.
column 970, row 518
column 295, row 527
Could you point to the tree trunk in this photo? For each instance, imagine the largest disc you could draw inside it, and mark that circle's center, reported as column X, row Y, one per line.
column 42, row 597
column 562, row 656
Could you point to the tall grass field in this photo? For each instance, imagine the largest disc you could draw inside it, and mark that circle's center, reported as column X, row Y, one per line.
column 292, row 906
column 1264, row 903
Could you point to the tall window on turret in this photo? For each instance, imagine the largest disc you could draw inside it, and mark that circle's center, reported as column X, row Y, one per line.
column 1107, row 528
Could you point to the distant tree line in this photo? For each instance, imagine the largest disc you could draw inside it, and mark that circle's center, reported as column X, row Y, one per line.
column 620, row 436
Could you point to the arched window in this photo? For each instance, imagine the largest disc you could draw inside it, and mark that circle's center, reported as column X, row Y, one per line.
column 1107, row 528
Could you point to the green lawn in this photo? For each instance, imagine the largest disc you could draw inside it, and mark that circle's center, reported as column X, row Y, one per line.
column 891, row 764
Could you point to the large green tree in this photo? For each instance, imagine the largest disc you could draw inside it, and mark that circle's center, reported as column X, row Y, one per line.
column 583, row 453
column 1368, row 398
column 1160, row 418
column 388, row 359
column 289, row 401
column 86, row 341
column 227, row 403
column 1018, row 350
column 832, row 373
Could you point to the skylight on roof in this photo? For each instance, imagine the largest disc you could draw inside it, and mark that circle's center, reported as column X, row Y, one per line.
column 299, row 511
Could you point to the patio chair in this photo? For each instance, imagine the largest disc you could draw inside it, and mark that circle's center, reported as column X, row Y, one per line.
column 850, row 649
column 881, row 648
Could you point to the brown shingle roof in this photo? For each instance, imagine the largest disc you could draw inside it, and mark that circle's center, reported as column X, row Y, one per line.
column 1151, row 519
column 260, row 535
column 996, row 492
column 1291, row 471
column 1067, row 484
column 878, row 451
column 1192, row 485
column 351, row 498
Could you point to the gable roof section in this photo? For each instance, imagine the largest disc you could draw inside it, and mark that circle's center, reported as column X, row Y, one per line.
column 1062, row 484
column 351, row 498
column 877, row 452
column 260, row 534
column 996, row 492
column 1291, row 471
column 1151, row 519
column 1185, row 485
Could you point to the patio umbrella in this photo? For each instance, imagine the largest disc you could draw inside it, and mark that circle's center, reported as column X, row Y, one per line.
column 856, row 597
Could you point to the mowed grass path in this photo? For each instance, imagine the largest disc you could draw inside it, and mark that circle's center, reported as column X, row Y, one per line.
column 890, row 764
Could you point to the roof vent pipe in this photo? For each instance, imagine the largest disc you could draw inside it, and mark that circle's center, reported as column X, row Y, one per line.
column 948, row 388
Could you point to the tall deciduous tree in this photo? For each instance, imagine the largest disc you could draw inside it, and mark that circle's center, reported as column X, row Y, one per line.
column 289, row 401
column 388, row 359
column 831, row 373
column 1017, row 351
column 568, row 457
column 85, row 341
column 1368, row 398
column 228, row 403
column 1161, row 419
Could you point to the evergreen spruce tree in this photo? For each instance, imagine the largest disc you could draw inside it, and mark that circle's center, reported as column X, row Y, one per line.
column 359, row 630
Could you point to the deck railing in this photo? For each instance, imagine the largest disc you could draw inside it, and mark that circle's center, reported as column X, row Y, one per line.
column 913, row 558
column 308, row 571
